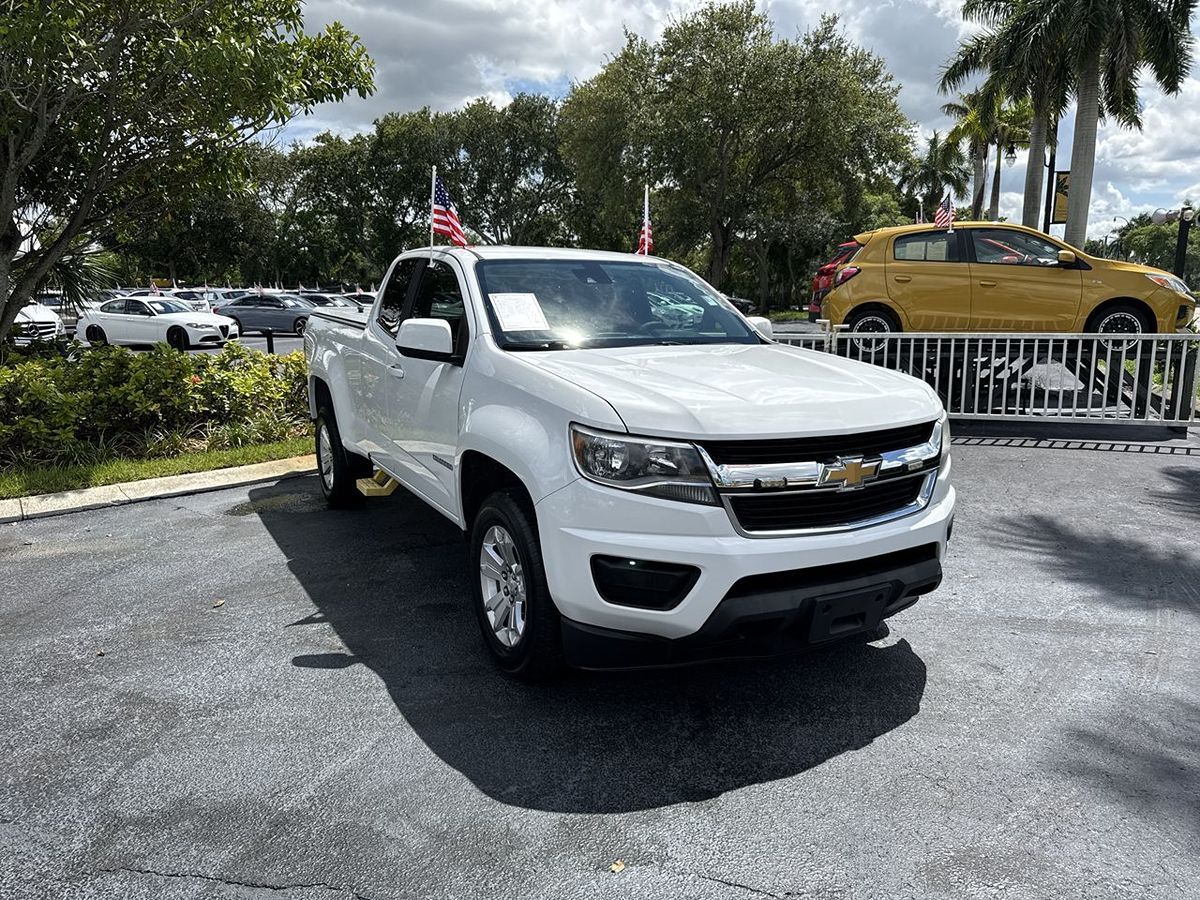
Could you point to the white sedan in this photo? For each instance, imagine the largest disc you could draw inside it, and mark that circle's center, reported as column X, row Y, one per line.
column 148, row 320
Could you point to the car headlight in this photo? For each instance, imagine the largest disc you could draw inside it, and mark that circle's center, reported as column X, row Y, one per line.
column 1170, row 282
column 667, row 469
column 198, row 325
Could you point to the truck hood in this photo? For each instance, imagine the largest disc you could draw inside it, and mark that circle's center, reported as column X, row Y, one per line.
column 737, row 390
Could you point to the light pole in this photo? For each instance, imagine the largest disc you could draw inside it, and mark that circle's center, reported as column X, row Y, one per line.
column 1120, row 236
column 1186, row 214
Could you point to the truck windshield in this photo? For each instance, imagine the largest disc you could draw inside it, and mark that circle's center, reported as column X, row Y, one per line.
column 568, row 303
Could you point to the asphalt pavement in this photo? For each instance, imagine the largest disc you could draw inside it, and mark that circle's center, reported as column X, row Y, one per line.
column 242, row 694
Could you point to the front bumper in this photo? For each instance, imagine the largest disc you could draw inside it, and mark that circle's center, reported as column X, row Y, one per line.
column 583, row 520
column 771, row 615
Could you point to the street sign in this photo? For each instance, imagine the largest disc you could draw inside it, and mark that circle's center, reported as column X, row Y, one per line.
column 1062, row 185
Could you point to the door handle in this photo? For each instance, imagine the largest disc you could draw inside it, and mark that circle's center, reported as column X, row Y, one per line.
column 987, row 284
column 396, row 371
column 903, row 277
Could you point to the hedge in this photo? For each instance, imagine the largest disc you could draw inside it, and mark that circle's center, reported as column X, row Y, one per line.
column 110, row 403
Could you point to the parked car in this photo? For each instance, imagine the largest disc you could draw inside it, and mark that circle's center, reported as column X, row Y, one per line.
column 277, row 312
column 983, row 276
column 322, row 300
column 636, row 492
column 37, row 322
column 194, row 299
column 744, row 306
column 674, row 311
column 149, row 320
column 823, row 279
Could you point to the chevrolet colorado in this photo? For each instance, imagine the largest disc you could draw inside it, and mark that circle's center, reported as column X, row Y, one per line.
column 637, row 490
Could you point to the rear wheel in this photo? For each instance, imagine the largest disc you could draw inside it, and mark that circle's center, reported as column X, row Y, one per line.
column 868, row 321
column 517, row 616
column 178, row 338
column 95, row 336
column 339, row 468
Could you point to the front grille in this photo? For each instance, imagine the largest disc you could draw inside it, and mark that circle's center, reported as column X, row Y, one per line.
column 825, row 448
column 224, row 331
column 823, row 507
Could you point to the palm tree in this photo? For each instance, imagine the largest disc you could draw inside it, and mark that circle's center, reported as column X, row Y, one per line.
column 1105, row 45
column 1017, row 69
column 942, row 166
column 971, row 129
column 1011, row 131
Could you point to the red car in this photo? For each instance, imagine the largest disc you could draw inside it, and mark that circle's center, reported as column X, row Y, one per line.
column 823, row 280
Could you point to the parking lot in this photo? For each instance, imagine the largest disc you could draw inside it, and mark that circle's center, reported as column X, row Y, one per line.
column 243, row 694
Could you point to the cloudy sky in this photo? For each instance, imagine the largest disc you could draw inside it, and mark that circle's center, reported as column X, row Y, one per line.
column 443, row 53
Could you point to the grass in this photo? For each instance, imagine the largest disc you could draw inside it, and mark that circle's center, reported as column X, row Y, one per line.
column 23, row 482
column 789, row 315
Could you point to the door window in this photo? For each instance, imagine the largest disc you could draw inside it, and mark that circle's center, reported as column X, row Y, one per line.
column 137, row 308
column 929, row 246
column 395, row 292
column 439, row 297
column 1000, row 246
column 113, row 306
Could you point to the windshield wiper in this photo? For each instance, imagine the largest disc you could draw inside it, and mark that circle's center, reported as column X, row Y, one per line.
column 540, row 345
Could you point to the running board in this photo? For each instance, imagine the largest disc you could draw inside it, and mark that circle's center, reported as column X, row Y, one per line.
column 381, row 484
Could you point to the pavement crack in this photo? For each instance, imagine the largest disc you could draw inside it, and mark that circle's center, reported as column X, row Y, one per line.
column 233, row 882
column 758, row 892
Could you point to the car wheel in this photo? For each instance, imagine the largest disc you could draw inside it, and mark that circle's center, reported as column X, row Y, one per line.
column 518, row 618
column 237, row 323
column 299, row 325
column 177, row 338
column 1121, row 319
column 339, row 468
column 95, row 336
column 862, row 323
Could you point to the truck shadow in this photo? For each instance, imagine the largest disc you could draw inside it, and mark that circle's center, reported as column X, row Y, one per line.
column 392, row 581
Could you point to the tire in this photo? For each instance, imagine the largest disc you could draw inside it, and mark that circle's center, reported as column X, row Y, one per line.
column 95, row 336
column 1120, row 318
column 238, row 324
column 177, row 338
column 299, row 325
column 871, row 320
column 524, row 637
column 337, row 467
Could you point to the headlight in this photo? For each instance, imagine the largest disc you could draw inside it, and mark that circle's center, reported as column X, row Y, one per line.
column 668, row 469
column 1170, row 282
column 197, row 325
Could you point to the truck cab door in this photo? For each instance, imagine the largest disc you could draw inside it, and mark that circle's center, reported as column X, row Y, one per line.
column 373, row 371
column 424, row 407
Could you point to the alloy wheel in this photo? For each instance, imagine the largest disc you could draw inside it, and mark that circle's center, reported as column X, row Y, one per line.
column 503, row 582
column 325, row 456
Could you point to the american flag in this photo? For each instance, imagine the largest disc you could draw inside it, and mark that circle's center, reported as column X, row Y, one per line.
column 646, row 235
column 945, row 214
column 445, row 216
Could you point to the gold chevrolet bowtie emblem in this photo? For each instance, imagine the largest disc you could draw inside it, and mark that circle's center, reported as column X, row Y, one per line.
column 849, row 472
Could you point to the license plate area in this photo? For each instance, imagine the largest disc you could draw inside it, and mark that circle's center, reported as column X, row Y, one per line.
column 837, row 615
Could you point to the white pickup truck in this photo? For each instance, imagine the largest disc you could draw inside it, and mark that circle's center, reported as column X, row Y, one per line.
column 645, row 476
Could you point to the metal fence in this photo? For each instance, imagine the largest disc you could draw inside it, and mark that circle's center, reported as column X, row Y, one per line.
column 1149, row 379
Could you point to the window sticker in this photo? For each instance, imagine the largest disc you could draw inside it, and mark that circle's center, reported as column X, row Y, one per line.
column 519, row 312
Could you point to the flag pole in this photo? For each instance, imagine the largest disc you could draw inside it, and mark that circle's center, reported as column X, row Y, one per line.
column 645, row 221
column 432, row 199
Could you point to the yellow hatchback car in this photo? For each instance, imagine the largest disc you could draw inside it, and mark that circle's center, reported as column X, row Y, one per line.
column 984, row 276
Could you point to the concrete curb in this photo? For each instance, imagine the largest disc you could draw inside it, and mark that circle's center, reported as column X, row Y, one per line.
column 43, row 505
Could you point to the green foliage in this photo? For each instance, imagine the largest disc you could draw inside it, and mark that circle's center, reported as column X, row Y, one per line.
column 112, row 110
column 112, row 403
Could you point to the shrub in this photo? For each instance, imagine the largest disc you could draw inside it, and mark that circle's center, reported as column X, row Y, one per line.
column 111, row 403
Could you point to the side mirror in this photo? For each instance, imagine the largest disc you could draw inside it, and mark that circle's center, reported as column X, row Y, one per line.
column 1066, row 257
column 763, row 326
column 426, row 339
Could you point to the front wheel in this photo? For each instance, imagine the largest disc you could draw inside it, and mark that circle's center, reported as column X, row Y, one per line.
column 95, row 336
column 518, row 618
column 339, row 468
column 178, row 339
column 299, row 325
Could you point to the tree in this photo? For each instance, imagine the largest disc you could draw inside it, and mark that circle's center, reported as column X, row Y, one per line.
column 1016, row 68
column 721, row 115
column 111, row 109
column 928, row 176
column 1011, row 131
column 1105, row 45
column 974, row 128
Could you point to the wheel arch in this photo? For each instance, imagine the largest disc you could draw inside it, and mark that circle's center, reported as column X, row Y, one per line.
column 480, row 475
column 1149, row 317
column 884, row 306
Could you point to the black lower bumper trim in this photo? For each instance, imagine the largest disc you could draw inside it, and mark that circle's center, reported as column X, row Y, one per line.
column 785, row 615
